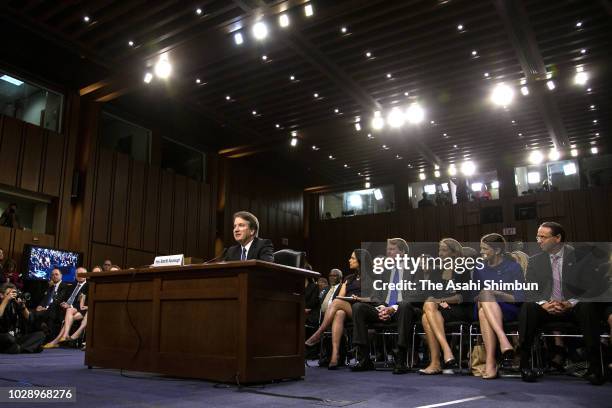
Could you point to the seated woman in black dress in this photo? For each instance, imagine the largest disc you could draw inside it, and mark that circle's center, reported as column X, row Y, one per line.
column 360, row 262
column 444, row 306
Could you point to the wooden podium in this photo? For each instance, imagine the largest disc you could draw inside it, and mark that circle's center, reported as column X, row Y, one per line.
column 227, row 322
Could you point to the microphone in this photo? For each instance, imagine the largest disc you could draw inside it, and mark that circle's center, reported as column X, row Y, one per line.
column 217, row 257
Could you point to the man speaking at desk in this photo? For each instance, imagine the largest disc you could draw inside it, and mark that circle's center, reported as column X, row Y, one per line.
column 246, row 228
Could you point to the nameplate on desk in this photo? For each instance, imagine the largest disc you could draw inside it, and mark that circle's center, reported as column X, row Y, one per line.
column 168, row 260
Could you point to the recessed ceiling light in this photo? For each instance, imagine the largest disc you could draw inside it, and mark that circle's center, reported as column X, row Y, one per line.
column 86, row 19
column 254, row 112
column 277, row 126
column 292, row 78
column 358, row 126
column 592, row 107
column 238, row 38
column 163, row 68
column 550, row 85
column 294, row 141
column 524, row 90
column 294, row 133
column 433, row 122
column 131, row 43
column 336, row 110
column 264, row 57
column 405, row 93
column 579, row 24
column 331, row 157
column 389, row 75
column 148, row 77
column 316, row 95
column 260, row 30
column 368, row 54
column 594, row 150
column 199, row 11
column 422, row 176
column 343, row 30
column 367, row 184
column 308, row 10
column 198, row 80
column 460, row 27
column 283, row 20
column 583, row 51
column 588, row 89
column 314, row 147
column 474, row 53
column 455, row 146
column 595, row 121
column 444, row 134
column 486, row 74
column 227, row 97
column 581, row 78
column 370, row 136
column 345, row 166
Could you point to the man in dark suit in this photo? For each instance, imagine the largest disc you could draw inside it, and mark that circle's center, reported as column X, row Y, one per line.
column 563, row 277
column 394, row 307
column 48, row 314
column 246, row 229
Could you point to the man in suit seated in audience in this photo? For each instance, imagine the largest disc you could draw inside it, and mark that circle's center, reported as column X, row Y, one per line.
column 327, row 297
column 395, row 307
column 563, row 277
column 246, row 229
column 48, row 314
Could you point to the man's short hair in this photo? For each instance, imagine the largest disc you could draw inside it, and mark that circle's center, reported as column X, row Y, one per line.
column 338, row 271
column 555, row 229
column 400, row 243
column 250, row 218
column 6, row 286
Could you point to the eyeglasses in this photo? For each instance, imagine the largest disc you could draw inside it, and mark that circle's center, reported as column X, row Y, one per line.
column 543, row 238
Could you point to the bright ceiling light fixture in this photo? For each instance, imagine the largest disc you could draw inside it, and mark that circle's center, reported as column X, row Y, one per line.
column 163, row 68
column 524, row 90
column 378, row 195
column 550, row 85
column 437, row 173
column 283, row 20
column 421, row 176
column 395, row 118
column 581, row 78
column 308, row 11
column 536, row 157
column 238, row 38
column 574, row 152
column 378, row 122
column 468, row 168
column 452, row 170
column 358, row 126
column 367, row 184
column 502, row 95
column 11, row 80
column 148, row 78
column 260, row 30
column 415, row 114
column 594, row 150
column 294, row 141
column 554, row 155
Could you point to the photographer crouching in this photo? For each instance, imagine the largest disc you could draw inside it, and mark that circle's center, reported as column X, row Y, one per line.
column 13, row 318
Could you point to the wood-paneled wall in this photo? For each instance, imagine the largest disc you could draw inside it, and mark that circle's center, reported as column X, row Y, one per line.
column 585, row 214
column 31, row 157
column 276, row 203
column 140, row 211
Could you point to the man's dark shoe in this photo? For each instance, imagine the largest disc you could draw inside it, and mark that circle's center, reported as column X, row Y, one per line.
column 595, row 379
column 400, row 362
column 363, row 365
column 528, row 375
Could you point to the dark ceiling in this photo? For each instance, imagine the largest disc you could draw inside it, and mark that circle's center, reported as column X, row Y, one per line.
column 429, row 59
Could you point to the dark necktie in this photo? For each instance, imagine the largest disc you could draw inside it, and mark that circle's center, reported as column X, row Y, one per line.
column 393, row 293
column 243, row 256
column 49, row 298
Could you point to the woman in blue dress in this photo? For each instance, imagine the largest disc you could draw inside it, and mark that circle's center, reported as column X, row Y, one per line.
column 494, row 306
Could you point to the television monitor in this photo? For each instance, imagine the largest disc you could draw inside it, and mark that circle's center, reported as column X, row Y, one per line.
column 39, row 262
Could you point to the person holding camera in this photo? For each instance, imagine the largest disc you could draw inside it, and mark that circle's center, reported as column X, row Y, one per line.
column 13, row 315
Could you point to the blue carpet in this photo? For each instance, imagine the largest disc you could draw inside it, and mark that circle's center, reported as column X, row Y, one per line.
column 109, row 388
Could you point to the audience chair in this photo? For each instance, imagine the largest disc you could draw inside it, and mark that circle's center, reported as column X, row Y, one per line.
column 289, row 257
column 452, row 329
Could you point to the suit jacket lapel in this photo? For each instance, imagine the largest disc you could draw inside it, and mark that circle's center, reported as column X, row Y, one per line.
column 251, row 253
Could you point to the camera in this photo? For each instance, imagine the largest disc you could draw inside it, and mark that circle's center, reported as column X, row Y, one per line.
column 25, row 296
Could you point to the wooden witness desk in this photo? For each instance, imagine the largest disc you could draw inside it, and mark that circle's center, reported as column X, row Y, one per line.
column 223, row 322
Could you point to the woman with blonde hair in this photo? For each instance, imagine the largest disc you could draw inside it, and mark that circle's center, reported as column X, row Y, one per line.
column 444, row 306
column 520, row 258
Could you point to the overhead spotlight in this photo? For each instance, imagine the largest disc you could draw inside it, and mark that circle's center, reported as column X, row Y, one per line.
column 294, row 141
column 468, row 168
column 199, row 11
column 358, row 127
column 198, row 80
column 524, row 90
column 254, row 113
column 536, row 157
column 554, row 155
column 227, row 97
column 474, row 53
column 264, row 57
column 283, row 20
column 389, row 75
column 368, row 54
column 314, row 147
column 336, row 110
column 294, row 133
column 238, row 38
column 581, row 78
column 415, row 114
column 550, row 85
column 595, row 121
column 378, row 122
column 437, row 173
column 405, row 93
column 343, row 30
column 594, row 150
column 549, row 75
column 395, row 118
column 148, row 77
column 502, row 95
column 370, row 136
column 579, row 24
column 331, row 157
column 452, row 170
column 260, row 30
column 277, row 126
column 345, row 166
column 592, row 107
column 583, row 51
column 131, row 43
column 486, row 75
column 422, row 176
column 378, row 195
column 495, row 184
column 574, row 152
column 308, row 11
column 367, row 184
column 589, row 90
column 292, row 78
column 460, row 27
column 316, row 95
column 163, row 67
column 86, row 19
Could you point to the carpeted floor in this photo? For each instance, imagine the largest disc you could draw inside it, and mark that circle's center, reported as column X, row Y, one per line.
column 320, row 387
